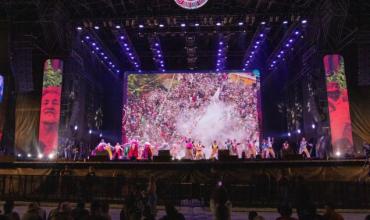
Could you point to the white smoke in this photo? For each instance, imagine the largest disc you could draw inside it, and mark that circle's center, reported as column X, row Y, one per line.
column 216, row 120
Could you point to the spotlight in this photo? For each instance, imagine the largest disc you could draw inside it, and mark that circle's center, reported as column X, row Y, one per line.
column 19, row 155
column 87, row 37
column 183, row 25
column 261, row 35
column 51, row 156
column 221, row 43
column 196, row 25
column 29, row 155
column 299, row 131
column 313, row 126
column 40, row 156
column 118, row 27
column 122, row 37
column 291, row 40
column 90, row 131
column 263, row 22
column 161, row 25
column 75, row 127
column 141, row 26
column 101, row 135
column 240, row 23
column 304, row 21
column 218, row 24
column 296, row 33
column 96, row 27
column 289, row 134
column 79, row 28
column 337, row 153
column 285, row 22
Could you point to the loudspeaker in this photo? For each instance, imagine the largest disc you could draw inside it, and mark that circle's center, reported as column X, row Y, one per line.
column 100, row 156
column 163, row 156
column 225, row 155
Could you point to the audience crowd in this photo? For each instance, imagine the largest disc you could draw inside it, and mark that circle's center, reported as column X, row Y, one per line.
column 142, row 205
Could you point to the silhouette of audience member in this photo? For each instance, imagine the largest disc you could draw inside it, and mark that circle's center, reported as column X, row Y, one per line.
column 80, row 212
column 220, row 204
column 172, row 213
column 96, row 211
column 252, row 215
column 135, row 203
column 33, row 212
column 64, row 212
column 286, row 213
column 105, row 211
column 367, row 217
column 8, row 211
column 310, row 213
column 330, row 213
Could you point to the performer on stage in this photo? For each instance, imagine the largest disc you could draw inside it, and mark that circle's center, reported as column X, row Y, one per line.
column 285, row 150
column 109, row 148
column 188, row 150
column 228, row 144
column 199, row 154
column 214, row 148
column 234, row 148
column 147, row 152
column 126, row 150
column 117, row 152
column 303, row 148
column 267, row 149
column 133, row 153
column 251, row 150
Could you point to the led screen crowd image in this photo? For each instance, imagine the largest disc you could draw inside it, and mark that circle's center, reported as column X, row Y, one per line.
column 169, row 109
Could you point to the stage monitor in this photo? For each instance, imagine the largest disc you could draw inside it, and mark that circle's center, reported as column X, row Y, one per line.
column 1, row 88
column 166, row 109
column 50, row 106
column 340, row 119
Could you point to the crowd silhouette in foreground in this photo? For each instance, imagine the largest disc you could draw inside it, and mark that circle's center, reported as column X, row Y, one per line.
column 142, row 205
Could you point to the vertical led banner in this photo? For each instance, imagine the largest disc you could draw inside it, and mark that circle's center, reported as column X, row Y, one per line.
column 340, row 119
column 1, row 88
column 50, row 106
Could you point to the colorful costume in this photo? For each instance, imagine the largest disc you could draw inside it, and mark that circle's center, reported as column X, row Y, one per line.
column 118, row 152
column 133, row 153
column 189, row 150
column 147, row 152
column 214, row 153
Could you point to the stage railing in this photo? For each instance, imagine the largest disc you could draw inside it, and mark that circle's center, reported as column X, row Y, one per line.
column 260, row 193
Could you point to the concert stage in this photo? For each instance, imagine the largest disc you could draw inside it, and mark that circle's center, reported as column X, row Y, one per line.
column 257, row 183
column 324, row 170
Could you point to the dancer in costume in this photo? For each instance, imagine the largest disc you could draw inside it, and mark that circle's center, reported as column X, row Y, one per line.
column 117, row 152
column 188, row 150
column 303, row 148
column 214, row 148
column 269, row 151
column 199, row 154
column 109, row 148
column 147, row 152
column 251, row 150
column 133, row 153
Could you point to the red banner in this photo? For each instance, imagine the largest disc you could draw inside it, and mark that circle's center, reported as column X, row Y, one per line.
column 340, row 119
column 50, row 106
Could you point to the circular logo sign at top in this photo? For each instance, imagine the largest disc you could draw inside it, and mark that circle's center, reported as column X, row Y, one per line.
column 191, row 4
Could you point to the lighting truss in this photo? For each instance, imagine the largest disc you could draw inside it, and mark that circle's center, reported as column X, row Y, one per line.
column 127, row 47
column 254, row 47
column 96, row 47
column 155, row 46
column 286, row 45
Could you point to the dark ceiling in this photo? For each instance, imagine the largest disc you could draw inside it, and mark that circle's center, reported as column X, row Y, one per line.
column 59, row 20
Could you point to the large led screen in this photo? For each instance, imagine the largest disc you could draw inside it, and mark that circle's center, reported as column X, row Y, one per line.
column 50, row 106
column 167, row 109
column 340, row 120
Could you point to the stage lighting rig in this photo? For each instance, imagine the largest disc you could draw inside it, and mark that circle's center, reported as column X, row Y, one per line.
column 95, row 46
column 253, row 49
column 155, row 46
column 128, row 49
